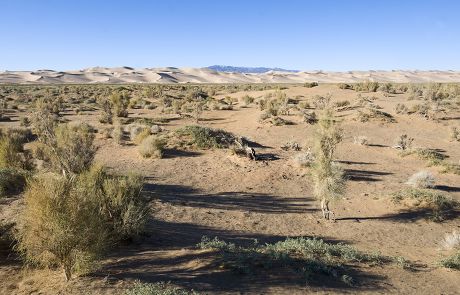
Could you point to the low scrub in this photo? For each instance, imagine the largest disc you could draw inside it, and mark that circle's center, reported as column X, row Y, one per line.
column 452, row 262
column 422, row 179
column 204, row 137
column 71, row 222
column 12, row 181
column 160, row 288
column 152, row 146
column 308, row 256
column 439, row 204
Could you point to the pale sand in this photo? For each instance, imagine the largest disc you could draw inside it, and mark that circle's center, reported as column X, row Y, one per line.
column 204, row 75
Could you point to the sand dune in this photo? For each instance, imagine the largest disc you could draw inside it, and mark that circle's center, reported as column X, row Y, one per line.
column 204, row 75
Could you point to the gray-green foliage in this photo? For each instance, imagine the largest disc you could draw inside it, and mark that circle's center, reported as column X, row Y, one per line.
column 205, row 138
column 438, row 203
column 160, row 288
column 309, row 256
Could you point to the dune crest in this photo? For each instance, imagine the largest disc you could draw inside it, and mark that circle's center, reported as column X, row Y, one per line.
column 122, row 75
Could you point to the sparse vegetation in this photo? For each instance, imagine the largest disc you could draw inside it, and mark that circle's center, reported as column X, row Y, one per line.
column 160, row 288
column 438, row 204
column 421, row 179
column 310, row 257
column 205, row 138
column 152, row 146
column 328, row 176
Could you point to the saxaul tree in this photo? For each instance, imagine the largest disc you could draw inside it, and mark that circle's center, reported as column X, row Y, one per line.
column 327, row 175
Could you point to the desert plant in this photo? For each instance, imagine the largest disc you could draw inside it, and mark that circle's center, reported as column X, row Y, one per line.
column 120, row 102
column 309, row 117
column 401, row 109
column 360, row 140
column 438, row 203
column 344, row 86
column 404, row 142
column 70, row 148
column 12, row 181
column 321, row 102
column 309, row 256
column 121, row 203
column 304, row 159
column 205, row 138
column 106, row 115
column 12, row 153
column 248, row 100
column 310, row 84
column 152, row 146
column 141, row 136
column 60, row 225
column 421, row 179
column 118, row 134
column 160, row 288
column 451, row 241
column 455, row 134
column 452, row 261
column 328, row 177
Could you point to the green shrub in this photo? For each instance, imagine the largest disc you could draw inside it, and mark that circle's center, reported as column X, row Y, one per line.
column 121, row 203
column 438, row 203
column 160, row 288
column 308, row 256
column 452, row 261
column 328, row 177
column 70, row 150
column 206, row 138
column 71, row 222
column 61, row 226
column 120, row 103
column 310, row 84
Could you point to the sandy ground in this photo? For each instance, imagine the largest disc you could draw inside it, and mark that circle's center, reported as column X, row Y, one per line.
column 214, row 193
column 204, row 75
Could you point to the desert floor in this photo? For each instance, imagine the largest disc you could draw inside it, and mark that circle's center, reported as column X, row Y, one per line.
column 214, row 193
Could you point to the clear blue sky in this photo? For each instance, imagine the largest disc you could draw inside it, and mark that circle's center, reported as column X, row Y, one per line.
column 293, row 34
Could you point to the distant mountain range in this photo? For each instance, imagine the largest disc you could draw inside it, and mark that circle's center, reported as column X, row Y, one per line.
column 247, row 70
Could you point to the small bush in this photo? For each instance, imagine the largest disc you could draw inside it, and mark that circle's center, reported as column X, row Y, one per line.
column 120, row 201
column 328, row 177
column 160, row 288
column 421, row 179
column 439, row 204
column 141, row 136
column 321, row 102
column 206, row 138
column 309, row 117
column 401, row 109
column 118, row 134
column 71, row 148
column 152, row 146
column 451, row 241
column 360, row 140
column 404, row 142
column 248, row 100
column 60, row 226
column 308, row 256
column 305, row 159
column 452, row 261
column 310, row 84
column 455, row 134
column 12, row 181
column 12, row 153
column 344, row 86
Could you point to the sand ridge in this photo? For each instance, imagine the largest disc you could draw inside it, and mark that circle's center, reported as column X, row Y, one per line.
column 205, row 75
